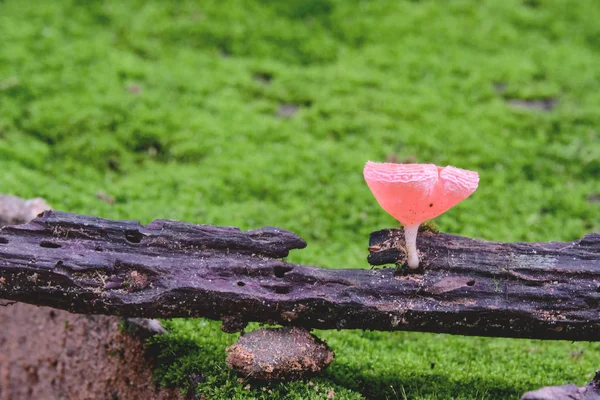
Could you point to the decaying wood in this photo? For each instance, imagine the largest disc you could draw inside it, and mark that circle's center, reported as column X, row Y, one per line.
column 52, row 354
column 278, row 353
column 15, row 210
column 175, row 269
column 591, row 391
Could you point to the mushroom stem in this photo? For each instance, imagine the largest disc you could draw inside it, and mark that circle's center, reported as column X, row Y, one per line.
column 410, row 237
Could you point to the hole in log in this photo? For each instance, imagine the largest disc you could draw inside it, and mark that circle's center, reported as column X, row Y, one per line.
column 240, row 284
column 281, row 270
column 133, row 236
column 471, row 282
column 50, row 245
column 3, row 240
column 99, row 248
column 60, row 268
column 592, row 303
column 282, row 289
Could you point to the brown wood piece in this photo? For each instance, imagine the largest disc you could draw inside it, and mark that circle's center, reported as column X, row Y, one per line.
column 174, row 269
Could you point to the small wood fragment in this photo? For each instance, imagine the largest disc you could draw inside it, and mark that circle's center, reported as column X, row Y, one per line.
column 15, row 210
column 278, row 353
column 591, row 391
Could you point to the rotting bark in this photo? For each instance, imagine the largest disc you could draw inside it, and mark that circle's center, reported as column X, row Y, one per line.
column 591, row 391
column 278, row 353
column 174, row 269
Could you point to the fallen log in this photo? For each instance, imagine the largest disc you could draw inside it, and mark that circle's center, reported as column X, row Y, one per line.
column 173, row 269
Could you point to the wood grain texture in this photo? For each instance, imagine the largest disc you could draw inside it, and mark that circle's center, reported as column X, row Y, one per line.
column 173, row 269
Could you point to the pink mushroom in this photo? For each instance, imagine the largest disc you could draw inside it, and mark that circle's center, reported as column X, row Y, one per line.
column 415, row 193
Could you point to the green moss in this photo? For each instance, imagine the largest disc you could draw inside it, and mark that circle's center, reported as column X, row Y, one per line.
column 172, row 109
column 429, row 226
column 192, row 358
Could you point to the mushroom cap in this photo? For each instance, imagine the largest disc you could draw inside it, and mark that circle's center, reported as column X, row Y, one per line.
column 414, row 193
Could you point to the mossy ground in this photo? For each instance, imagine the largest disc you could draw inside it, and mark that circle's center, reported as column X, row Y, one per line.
column 254, row 113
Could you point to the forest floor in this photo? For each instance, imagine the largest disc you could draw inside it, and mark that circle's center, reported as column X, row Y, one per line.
column 263, row 113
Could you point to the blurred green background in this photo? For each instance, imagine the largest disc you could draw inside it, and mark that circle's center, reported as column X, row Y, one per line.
column 253, row 113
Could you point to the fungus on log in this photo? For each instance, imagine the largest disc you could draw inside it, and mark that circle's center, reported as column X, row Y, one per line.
column 173, row 269
column 415, row 193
